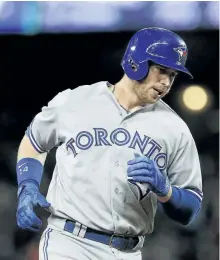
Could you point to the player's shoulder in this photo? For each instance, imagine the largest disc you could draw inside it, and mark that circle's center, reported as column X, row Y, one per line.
column 78, row 93
column 92, row 89
column 173, row 118
column 85, row 90
column 163, row 106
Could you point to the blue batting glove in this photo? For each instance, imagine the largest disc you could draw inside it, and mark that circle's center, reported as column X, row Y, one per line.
column 143, row 170
column 29, row 198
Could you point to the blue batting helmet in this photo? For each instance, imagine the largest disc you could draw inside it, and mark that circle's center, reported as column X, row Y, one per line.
column 158, row 45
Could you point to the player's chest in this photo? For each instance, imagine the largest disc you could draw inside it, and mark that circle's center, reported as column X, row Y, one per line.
column 100, row 124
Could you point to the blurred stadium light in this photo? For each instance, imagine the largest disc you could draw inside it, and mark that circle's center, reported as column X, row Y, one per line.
column 81, row 16
column 212, row 13
column 196, row 98
column 185, row 15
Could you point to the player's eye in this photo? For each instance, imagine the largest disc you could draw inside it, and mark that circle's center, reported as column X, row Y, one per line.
column 172, row 74
column 163, row 71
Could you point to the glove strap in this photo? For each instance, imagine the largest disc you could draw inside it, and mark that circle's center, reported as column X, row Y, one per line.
column 163, row 192
column 29, row 170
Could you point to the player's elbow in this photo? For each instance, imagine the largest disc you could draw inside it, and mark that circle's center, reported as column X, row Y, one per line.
column 186, row 217
column 183, row 215
column 183, row 206
column 186, row 221
column 190, row 217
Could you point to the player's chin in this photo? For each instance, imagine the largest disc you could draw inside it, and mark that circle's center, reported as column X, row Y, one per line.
column 149, row 101
column 153, row 99
column 150, row 98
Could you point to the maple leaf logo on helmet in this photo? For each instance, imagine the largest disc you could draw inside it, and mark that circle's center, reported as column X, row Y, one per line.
column 182, row 52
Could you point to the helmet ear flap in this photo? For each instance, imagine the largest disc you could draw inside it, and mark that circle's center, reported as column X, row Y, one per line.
column 134, row 70
column 134, row 66
column 144, row 68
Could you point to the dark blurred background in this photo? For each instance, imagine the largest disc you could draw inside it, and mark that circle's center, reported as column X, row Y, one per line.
column 47, row 47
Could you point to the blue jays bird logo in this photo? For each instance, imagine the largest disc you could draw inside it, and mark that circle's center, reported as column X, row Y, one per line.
column 182, row 52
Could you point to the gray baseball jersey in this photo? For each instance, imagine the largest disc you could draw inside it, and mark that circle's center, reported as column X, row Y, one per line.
column 96, row 137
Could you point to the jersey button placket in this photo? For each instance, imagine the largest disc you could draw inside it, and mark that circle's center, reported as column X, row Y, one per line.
column 116, row 196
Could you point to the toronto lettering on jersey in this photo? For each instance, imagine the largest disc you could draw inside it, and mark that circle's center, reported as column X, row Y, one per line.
column 121, row 137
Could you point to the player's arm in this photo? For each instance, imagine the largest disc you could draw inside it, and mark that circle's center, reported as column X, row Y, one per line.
column 26, row 150
column 181, row 191
column 42, row 135
column 182, row 205
column 29, row 164
column 29, row 173
column 184, row 200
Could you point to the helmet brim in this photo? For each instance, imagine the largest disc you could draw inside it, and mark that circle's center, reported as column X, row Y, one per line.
column 173, row 66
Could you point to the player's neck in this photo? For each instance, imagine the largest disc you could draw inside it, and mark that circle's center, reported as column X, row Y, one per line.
column 125, row 95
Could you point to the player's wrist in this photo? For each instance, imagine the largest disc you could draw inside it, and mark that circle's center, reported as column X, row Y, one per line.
column 163, row 188
column 167, row 197
column 27, row 184
column 29, row 172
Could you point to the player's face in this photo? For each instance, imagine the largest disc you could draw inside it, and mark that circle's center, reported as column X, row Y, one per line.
column 156, row 85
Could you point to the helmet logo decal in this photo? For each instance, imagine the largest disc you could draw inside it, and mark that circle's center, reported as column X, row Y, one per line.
column 182, row 52
column 152, row 47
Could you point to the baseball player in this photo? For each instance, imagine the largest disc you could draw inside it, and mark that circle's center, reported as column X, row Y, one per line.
column 121, row 151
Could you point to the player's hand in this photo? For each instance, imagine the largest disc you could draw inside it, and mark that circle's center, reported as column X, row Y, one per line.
column 29, row 198
column 143, row 170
